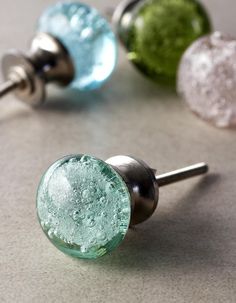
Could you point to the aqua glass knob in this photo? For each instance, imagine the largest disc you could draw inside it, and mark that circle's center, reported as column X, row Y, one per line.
column 88, row 38
column 83, row 206
column 156, row 33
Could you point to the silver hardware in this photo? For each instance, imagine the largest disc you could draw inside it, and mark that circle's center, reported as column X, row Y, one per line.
column 143, row 183
column 122, row 17
column 28, row 74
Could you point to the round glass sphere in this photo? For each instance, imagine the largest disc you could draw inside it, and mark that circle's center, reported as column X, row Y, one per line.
column 83, row 206
column 88, row 38
column 207, row 79
column 157, row 32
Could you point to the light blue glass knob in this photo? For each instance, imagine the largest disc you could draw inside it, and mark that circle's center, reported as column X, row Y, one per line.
column 88, row 38
column 74, row 46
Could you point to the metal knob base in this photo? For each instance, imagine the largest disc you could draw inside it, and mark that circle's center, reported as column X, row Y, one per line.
column 122, row 18
column 28, row 74
column 141, row 182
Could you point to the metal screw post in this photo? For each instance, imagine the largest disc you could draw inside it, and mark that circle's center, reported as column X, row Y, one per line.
column 7, row 87
column 182, row 174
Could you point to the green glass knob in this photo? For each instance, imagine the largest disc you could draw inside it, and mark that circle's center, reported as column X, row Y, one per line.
column 157, row 32
column 83, row 206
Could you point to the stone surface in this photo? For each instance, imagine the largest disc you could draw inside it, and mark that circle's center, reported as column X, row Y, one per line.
column 83, row 206
column 88, row 38
column 207, row 79
column 160, row 32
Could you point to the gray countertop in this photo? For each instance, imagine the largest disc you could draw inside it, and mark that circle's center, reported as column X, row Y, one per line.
column 185, row 253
